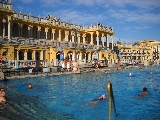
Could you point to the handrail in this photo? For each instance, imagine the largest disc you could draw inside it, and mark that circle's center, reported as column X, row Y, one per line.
column 110, row 101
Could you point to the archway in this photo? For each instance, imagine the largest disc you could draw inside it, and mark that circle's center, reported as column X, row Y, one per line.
column 37, row 56
column 29, row 55
column 21, row 55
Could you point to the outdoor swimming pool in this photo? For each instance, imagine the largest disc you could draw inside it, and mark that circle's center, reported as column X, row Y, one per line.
column 69, row 97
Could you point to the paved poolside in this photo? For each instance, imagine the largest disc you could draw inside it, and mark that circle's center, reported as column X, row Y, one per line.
column 82, row 70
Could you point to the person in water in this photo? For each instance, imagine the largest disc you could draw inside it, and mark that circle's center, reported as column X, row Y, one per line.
column 103, row 96
column 2, row 96
column 144, row 92
column 30, row 86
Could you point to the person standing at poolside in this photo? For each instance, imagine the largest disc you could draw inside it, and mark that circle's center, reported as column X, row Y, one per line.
column 68, row 66
column 2, row 96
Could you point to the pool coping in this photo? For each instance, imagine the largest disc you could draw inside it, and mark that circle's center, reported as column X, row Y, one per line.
column 104, row 69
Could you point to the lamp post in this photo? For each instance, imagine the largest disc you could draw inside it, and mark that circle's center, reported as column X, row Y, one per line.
column 4, row 22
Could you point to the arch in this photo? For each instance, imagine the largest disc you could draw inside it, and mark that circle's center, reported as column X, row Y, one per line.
column 69, row 54
column 58, row 55
column 34, row 32
column 37, row 56
column 25, row 31
column 29, row 55
column 21, row 55
column 4, row 53
column 15, row 30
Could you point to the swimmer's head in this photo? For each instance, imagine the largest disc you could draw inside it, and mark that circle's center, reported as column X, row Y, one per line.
column 145, row 89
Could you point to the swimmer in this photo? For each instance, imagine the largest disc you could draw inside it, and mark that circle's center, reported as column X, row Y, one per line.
column 130, row 74
column 2, row 96
column 97, row 100
column 144, row 92
column 103, row 96
column 30, row 86
column 151, row 73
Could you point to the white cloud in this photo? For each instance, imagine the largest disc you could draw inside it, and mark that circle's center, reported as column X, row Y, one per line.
column 76, row 17
column 134, row 16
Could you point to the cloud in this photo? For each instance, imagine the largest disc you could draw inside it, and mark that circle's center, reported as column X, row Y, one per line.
column 77, row 17
column 24, row 1
column 134, row 16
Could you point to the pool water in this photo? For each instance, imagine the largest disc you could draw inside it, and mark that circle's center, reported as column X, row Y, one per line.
column 69, row 97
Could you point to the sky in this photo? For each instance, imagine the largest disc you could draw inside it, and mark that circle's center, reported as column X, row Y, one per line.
column 132, row 20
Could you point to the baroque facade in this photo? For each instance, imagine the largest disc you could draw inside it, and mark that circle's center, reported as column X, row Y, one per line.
column 28, row 37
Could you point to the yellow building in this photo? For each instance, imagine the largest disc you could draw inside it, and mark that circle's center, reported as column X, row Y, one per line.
column 28, row 37
column 146, row 50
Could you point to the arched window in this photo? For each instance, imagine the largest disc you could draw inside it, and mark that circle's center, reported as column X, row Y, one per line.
column 21, row 55
column 29, row 56
column 37, row 56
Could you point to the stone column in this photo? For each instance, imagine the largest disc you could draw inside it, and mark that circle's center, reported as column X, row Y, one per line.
column 102, row 39
column 41, row 56
column 84, row 39
column 73, row 56
column 72, row 38
column 107, row 42
column 79, row 39
column 112, row 42
column 97, row 39
column 9, row 29
column 29, row 32
column 53, row 31
column 59, row 35
column 80, row 56
column 26, row 55
column 66, row 36
column 34, row 55
column 91, row 39
column 17, row 54
column 39, row 32
column 46, row 33
column 4, row 29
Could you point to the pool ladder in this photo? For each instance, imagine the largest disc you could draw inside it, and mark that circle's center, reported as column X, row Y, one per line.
column 110, row 101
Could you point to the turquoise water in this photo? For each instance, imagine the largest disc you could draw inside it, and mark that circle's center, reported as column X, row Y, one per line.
column 69, row 97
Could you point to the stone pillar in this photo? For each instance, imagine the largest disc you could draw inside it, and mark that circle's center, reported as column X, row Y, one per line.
column 79, row 39
column 17, row 54
column 102, row 39
column 41, row 56
column 4, row 29
column 84, row 39
column 59, row 35
column 89, row 56
column 29, row 32
column 9, row 29
column 112, row 42
column 73, row 56
column 80, row 56
column 107, row 42
column 53, row 31
column 97, row 39
column 91, row 39
column 26, row 55
column 39, row 32
column 46, row 33
column 66, row 36
column 34, row 55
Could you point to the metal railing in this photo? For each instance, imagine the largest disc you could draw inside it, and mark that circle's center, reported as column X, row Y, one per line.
column 111, row 102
